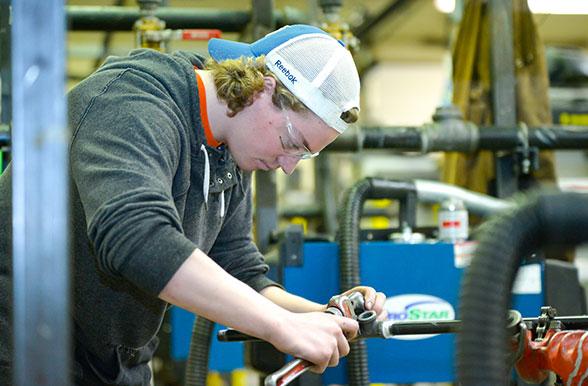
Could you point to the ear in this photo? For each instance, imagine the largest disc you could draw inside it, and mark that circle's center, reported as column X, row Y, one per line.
column 269, row 85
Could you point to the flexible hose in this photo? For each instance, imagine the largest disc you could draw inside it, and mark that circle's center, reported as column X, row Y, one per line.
column 543, row 220
column 357, row 361
column 197, row 364
column 357, row 368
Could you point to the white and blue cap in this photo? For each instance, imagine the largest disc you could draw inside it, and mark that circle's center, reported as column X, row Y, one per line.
column 313, row 65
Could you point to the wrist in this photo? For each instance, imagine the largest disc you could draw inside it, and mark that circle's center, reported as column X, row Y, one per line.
column 276, row 326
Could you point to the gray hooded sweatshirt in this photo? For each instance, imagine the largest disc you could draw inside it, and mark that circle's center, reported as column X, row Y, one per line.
column 146, row 191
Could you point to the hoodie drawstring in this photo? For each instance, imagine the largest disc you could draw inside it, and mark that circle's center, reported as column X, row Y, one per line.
column 222, row 204
column 206, row 183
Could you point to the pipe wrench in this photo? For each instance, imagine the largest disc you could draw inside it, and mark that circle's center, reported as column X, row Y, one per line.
column 349, row 306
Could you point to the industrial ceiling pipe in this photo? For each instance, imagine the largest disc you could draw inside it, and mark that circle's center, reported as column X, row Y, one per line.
column 97, row 18
column 394, row 7
column 425, row 140
column 431, row 138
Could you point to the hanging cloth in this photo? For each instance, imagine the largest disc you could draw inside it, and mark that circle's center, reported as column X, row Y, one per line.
column 471, row 93
column 472, row 86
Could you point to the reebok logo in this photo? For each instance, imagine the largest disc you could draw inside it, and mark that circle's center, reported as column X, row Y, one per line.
column 286, row 72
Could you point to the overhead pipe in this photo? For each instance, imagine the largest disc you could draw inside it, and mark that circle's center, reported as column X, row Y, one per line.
column 394, row 7
column 108, row 18
column 449, row 132
column 481, row 204
column 426, row 192
column 432, row 139
column 470, row 139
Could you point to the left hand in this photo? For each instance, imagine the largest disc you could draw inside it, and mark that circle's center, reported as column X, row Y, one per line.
column 373, row 300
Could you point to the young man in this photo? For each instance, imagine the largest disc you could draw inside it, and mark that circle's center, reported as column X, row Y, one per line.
column 161, row 151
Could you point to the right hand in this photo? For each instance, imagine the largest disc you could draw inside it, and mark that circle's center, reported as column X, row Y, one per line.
column 318, row 337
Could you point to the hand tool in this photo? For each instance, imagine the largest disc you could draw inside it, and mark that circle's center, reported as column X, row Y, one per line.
column 539, row 345
column 341, row 305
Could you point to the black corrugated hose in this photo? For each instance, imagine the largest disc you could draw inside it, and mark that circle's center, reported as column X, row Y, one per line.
column 357, row 362
column 545, row 219
column 197, row 363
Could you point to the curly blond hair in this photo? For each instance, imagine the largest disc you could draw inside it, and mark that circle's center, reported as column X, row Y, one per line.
column 237, row 82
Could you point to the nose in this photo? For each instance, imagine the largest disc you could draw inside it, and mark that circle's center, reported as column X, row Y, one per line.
column 288, row 163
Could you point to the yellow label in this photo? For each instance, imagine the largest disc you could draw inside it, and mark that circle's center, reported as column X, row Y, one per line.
column 573, row 119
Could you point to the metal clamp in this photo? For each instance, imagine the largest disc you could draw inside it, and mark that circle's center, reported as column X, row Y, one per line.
column 548, row 314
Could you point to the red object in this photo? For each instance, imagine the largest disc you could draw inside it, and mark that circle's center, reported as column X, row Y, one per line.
column 564, row 352
column 200, row 34
column 210, row 140
column 299, row 369
column 338, row 305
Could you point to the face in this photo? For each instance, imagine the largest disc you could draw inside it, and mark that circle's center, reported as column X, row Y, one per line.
column 268, row 138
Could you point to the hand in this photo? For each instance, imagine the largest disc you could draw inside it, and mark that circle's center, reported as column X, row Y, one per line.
column 318, row 337
column 373, row 300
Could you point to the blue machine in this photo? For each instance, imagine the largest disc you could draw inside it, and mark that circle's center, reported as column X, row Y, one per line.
column 421, row 282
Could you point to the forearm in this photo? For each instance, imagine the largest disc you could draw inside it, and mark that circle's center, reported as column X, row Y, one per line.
column 204, row 288
column 289, row 301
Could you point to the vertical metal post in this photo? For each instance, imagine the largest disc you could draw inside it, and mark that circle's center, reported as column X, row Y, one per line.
column 266, row 199
column 262, row 18
column 503, row 89
column 266, row 211
column 5, row 83
column 5, row 60
column 325, row 193
column 40, row 195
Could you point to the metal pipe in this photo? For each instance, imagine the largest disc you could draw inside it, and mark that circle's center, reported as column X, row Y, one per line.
column 396, row 328
column 431, row 138
column 553, row 137
column 108, row 18
column 394, row 7
column 432, row 191
column 262, row 18
column 504, row 100
column 5, row 75
column 410, row 327
column 40, row 196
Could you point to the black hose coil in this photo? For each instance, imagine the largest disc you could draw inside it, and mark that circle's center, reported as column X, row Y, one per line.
column 542, row 220
column 357, row 361
column 197, row 364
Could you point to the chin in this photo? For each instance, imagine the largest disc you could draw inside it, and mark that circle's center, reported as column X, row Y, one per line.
column 248, row 169
column 246, row 166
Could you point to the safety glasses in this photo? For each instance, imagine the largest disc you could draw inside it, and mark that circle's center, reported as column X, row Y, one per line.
column 293, row 142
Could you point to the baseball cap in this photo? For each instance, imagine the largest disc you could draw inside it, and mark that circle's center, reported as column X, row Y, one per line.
column 313, row 65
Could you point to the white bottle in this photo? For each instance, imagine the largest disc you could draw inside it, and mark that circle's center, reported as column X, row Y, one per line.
column 453, row 221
